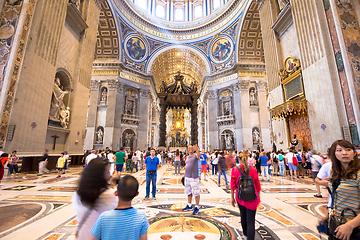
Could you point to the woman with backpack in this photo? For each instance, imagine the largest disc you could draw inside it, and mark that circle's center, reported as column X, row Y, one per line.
column 247, row 198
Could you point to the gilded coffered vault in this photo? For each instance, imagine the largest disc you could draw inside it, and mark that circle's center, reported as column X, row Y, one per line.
column 168, row 63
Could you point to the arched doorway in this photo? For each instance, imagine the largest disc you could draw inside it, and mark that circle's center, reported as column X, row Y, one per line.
column 128, row 140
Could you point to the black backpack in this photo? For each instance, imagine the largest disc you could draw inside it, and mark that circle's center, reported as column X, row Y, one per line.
column 246, row 189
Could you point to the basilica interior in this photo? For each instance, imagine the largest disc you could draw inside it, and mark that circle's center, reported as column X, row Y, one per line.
column 80, row 75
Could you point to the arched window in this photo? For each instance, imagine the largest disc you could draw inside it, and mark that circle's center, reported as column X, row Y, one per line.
column 160, row 10
column 178, row 14
column 198, row 11
column 143, row 4
column 226, row 103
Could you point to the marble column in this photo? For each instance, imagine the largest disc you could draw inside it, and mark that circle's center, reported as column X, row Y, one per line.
column 119, row 110
column 110, row 113
column 143, row 128
column 237, row 112
column 264, row 116
column 245, row 115
column 92, row 114
column 162, row 131
column 212, row 109
column 194, row 123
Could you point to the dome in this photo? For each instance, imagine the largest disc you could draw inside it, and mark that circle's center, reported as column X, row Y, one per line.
column 163, row 12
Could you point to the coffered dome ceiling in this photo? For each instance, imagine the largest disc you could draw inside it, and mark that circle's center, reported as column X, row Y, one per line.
column 168, row 63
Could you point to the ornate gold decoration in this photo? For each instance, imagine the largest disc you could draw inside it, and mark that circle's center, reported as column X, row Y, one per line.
column 289, row 108
column 292, row 65
column 169, row 63
column 178, row 123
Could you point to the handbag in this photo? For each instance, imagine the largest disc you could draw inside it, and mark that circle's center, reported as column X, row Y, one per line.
column 336, row 221
column 151, row 172
column 295, row 160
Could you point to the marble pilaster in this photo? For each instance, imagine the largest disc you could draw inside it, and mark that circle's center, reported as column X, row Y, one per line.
column 264, row 116
column 245, row 115
column 92, row 114
column 212, row 109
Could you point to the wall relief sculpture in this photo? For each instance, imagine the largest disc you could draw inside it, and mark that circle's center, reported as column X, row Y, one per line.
column 59, row 110
column 256, row 136
column 99, row 135
column 253, row 97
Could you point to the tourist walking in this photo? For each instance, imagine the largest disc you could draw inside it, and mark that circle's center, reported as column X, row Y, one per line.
column 60, row 164
column 120, row 157
column 115, row 224
column 281, row 164
column 151, row 165
column 292, row 163
column 214, row 163
column 177, row 162
column 204, row 165
column 12, row 165
column 92, row 197
column 264, row 166
column 43, row 163
column 222, row 169
column 247, row 208
column 316, row 163
column 192, row 182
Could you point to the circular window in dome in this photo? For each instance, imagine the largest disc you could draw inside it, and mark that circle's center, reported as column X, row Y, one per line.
column 135, row 47
column 221, row 49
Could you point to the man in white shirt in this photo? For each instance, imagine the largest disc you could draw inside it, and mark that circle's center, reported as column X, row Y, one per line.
column 323, row 177
column 111, row 161
column 289, row 159
column 90, row 157
column 316, row 163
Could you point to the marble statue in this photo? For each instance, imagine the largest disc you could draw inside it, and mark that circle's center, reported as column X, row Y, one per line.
column 163, row 86
column 57, row 100
column 65, row 117
column 256, row 136
column 253, row 97
column 294, row 143
column 104, row 95
column 127, row 139
column 99, row 135
column 229, row 142
column 226, row 108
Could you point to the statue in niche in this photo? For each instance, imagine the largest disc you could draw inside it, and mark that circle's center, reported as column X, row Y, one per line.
column 57, row 100
column 99, row 136
column 65, row 117
column 229, row 142
column 127, row 139
column 253, row 97
column 163, row 86
column 227, row 108
column 256, row 136
column 104, row 95
column 129, row 107
column 183, row 141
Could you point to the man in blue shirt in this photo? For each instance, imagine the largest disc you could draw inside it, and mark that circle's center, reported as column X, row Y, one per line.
column 115, row 224
column 203, row 160
column 264, row 166
column 151, row 164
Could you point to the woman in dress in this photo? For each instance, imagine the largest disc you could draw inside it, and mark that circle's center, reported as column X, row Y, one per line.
column 93, row 196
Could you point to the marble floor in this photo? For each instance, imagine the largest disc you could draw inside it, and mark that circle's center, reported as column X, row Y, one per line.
column 33, row 207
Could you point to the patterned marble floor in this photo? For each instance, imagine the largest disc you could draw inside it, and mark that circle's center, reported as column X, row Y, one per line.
column 33, row 207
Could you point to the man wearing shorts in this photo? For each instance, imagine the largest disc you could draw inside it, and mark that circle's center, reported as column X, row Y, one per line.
column 120, row 157
column 316, row 163
column 289, row 157
column 192, row 187
column 203, row 158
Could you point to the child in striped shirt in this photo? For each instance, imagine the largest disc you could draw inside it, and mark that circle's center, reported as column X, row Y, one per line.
column 115, row 224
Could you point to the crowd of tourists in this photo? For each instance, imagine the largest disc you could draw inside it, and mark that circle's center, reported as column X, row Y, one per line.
column 104, row 195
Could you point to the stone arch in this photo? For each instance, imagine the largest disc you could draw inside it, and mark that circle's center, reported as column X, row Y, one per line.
column 131, row 100
column 128, row 139
column 178, row 46
column 224, row 137
column 249, row 39
column 107, row 40
column 226, row 103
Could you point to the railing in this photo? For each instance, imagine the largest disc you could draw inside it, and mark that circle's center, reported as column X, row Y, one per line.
column 130, row 119
column 226, row 120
